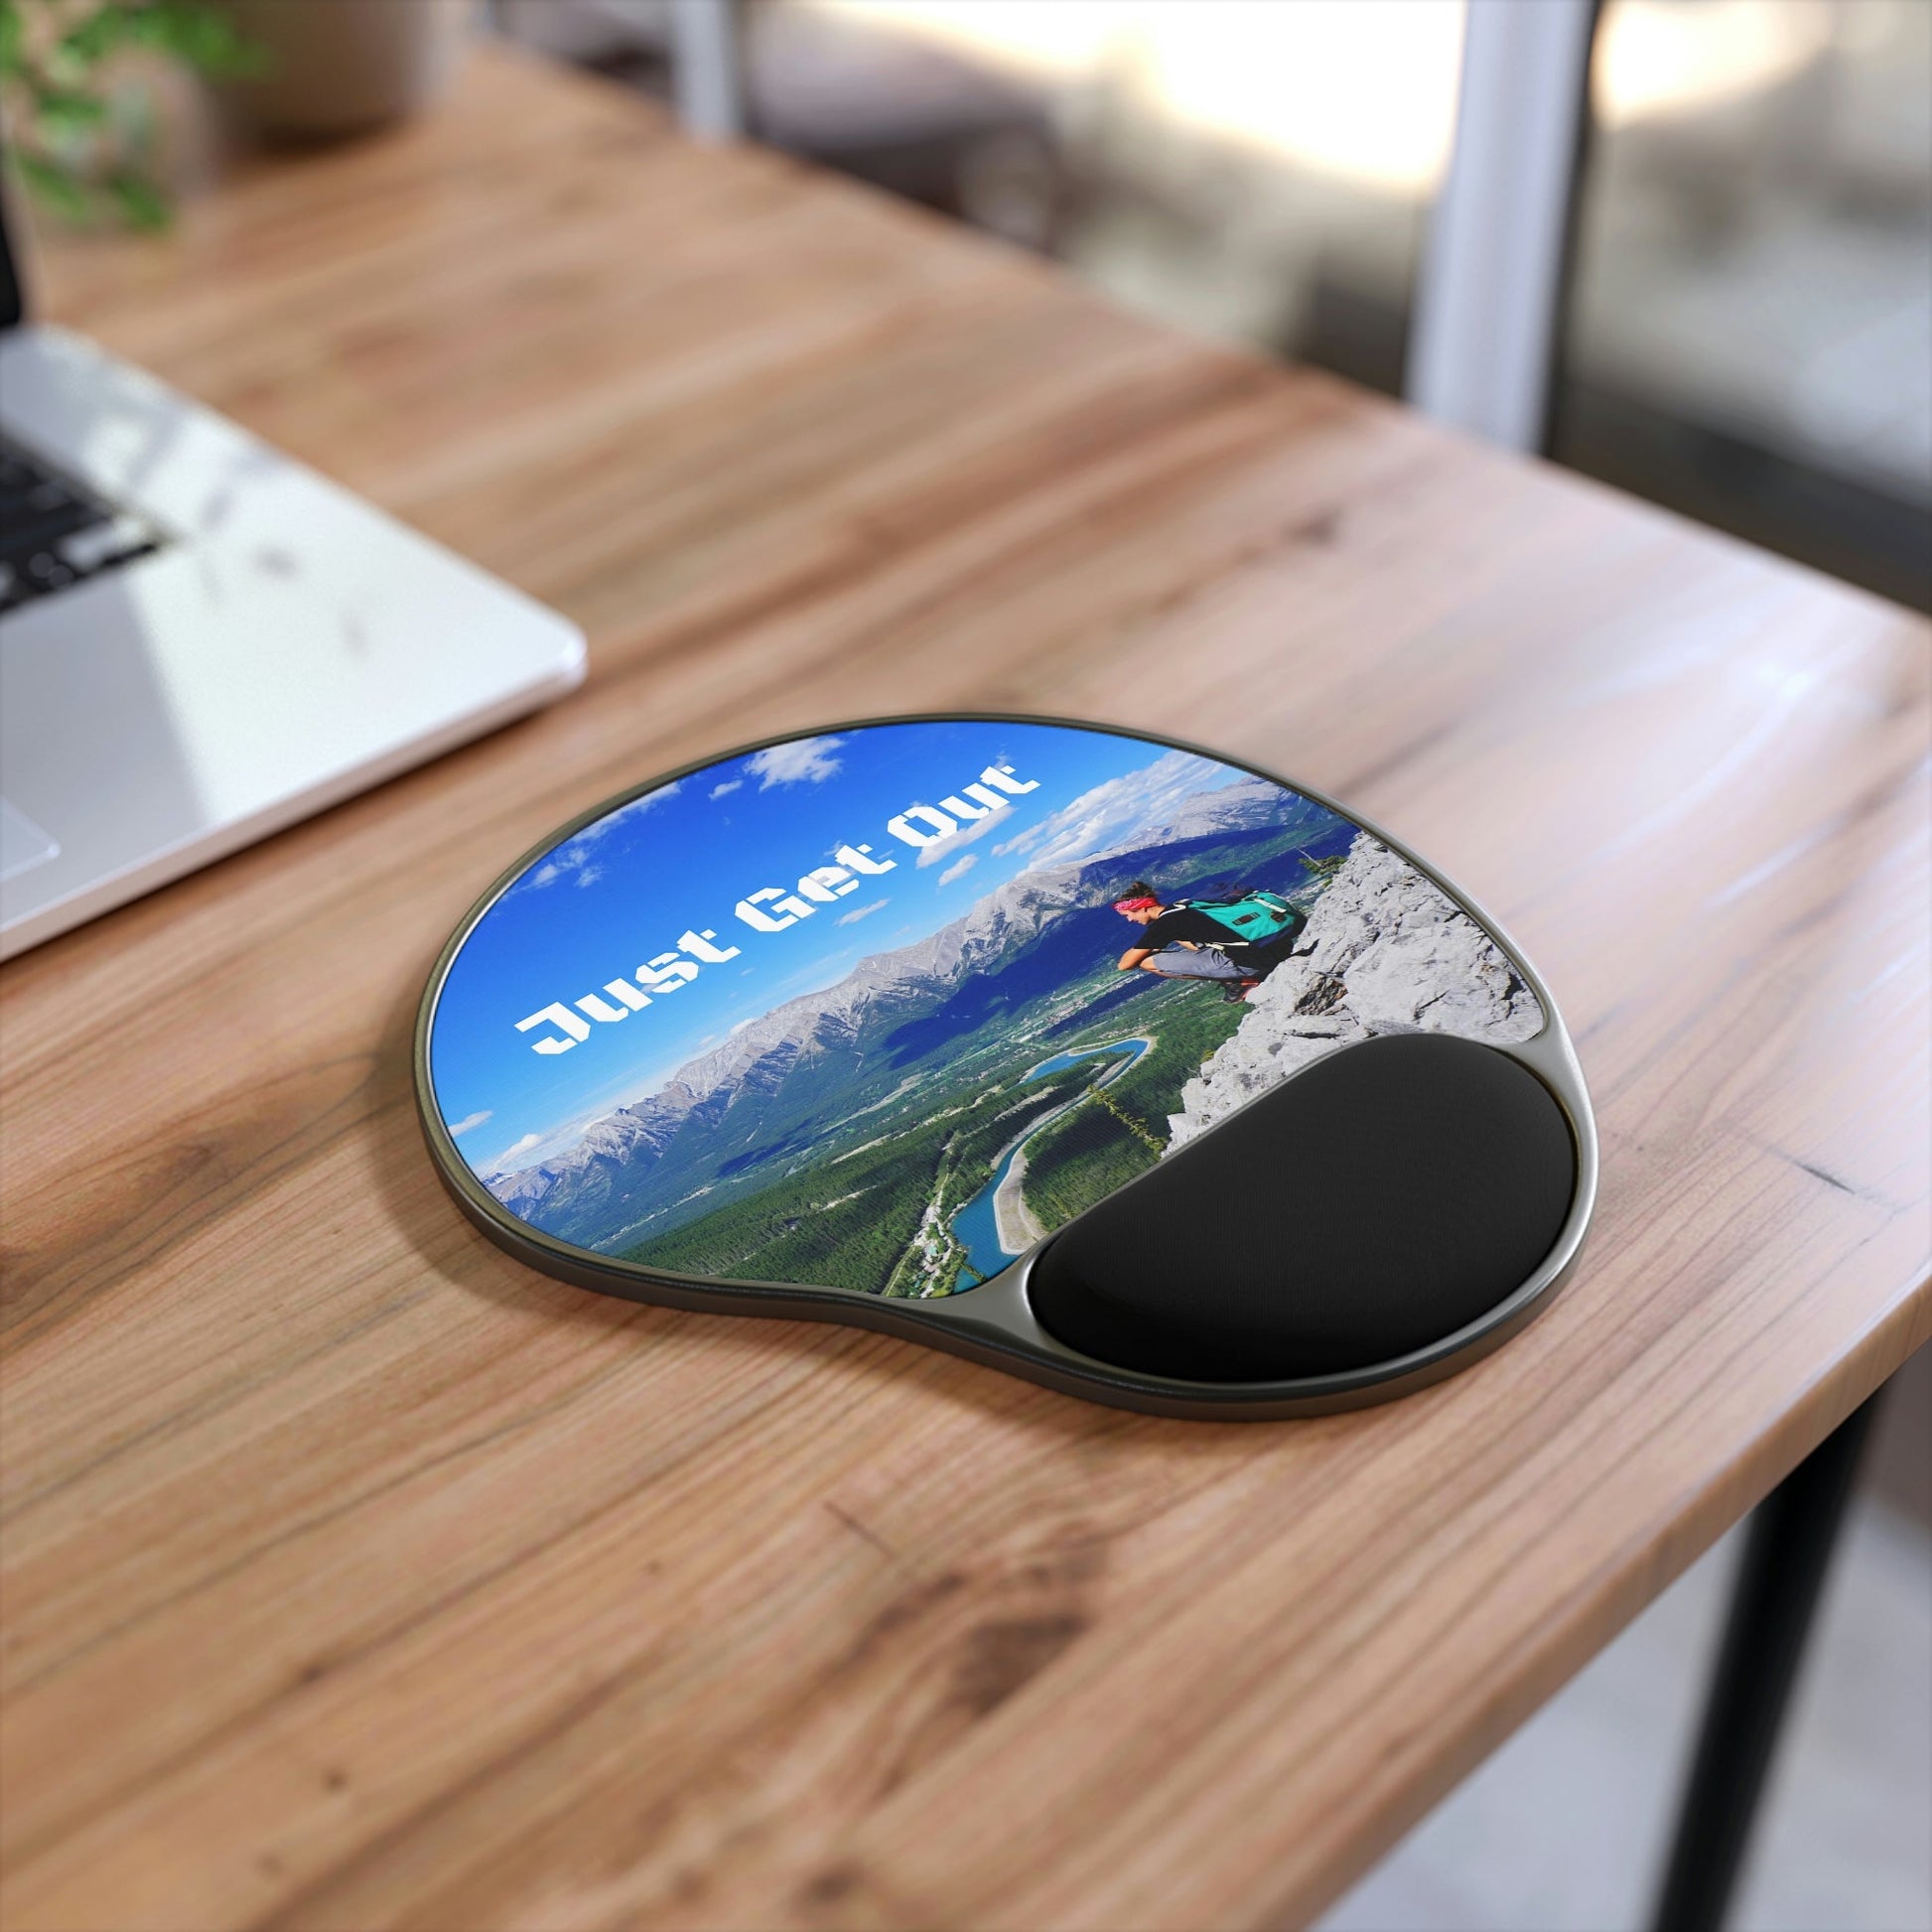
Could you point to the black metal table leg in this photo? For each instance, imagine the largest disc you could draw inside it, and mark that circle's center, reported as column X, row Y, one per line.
column 1787, row 1551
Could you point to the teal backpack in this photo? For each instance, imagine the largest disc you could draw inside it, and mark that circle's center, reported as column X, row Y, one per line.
column 1253, row 919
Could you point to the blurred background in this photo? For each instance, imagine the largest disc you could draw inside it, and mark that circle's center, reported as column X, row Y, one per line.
column 1745, row 337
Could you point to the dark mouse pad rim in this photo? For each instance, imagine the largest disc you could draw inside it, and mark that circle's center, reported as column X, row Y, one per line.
column 994, row 1323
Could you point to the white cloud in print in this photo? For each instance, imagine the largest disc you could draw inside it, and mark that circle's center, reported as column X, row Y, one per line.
column 1120, row 812
column 805, row 761
column 469, row 1122
column 959, row 868
column 574, row 858
column 859, row 913
column 515, row 1148
column 941, row 850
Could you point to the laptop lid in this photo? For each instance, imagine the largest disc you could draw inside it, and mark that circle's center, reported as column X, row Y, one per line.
column 11, row 306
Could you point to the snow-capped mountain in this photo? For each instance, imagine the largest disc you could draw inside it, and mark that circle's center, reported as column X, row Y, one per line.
column 826, row 1053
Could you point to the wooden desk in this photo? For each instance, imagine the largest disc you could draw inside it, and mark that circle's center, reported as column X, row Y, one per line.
column 356, row 1576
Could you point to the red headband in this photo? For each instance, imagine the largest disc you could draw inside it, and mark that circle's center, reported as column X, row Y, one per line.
column 1135, row 904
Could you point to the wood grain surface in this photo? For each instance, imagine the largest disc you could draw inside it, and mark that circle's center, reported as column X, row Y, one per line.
column 357, row 1577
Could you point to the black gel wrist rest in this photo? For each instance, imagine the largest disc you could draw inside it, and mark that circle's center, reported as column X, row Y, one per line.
column 1383, row 1199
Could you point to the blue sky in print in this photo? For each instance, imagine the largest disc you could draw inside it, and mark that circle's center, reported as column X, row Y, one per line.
column 679, row 860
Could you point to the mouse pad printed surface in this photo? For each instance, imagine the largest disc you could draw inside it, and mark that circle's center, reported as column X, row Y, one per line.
column 880, row 1009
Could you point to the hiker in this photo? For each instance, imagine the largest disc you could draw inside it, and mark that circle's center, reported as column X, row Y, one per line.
column 1237, row 942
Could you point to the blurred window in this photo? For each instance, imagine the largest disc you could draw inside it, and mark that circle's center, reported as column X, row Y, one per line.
column 1255, row 170
column 1749, row 336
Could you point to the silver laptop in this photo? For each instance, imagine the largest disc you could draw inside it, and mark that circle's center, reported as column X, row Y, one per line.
column 201, row 642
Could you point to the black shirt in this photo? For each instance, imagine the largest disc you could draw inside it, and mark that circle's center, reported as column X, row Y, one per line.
column 1183, row 922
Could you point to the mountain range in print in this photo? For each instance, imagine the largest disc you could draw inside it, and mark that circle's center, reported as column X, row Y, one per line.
column 857, row 1136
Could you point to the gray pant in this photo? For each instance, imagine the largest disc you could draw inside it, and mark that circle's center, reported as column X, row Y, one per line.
column 1183, row 963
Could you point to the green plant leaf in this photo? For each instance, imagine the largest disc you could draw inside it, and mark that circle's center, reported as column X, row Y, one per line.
column 141, row 203
column 196, row 35
column 60, row 110
column 90, row 39
column 60, row 191
column 81, row 140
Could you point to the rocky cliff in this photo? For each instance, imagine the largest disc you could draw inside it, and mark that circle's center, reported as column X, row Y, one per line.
column 1383, row 953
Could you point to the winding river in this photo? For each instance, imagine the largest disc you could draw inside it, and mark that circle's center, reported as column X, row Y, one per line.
column 975, row 1226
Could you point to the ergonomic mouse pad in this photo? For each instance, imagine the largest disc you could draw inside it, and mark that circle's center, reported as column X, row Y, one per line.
column 1114, row 1062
